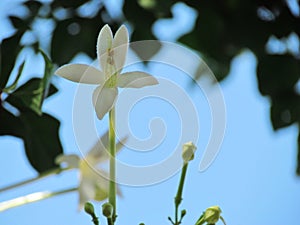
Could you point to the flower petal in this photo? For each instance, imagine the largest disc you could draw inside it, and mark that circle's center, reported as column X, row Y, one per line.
column 135, row 80
column 71, row 160
column 101, row 185
column 86, row 190
column 93, row 185
column 99, row 152
column 120, row 47
column 104, row 99
column 81, row 73
column 104, row 43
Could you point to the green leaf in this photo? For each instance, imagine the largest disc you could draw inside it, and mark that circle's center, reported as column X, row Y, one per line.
column 30, row 96
column 10, row 124
column 33, row 6
column 277, row 73
column 14, row 84
column 10, row 49
column 134, row 12
column 69, row 33
column 285, row 109
column 19, row 23
column 41, row 140
column 68, row 3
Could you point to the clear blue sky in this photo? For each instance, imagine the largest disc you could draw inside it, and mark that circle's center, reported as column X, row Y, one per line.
column 252, row 179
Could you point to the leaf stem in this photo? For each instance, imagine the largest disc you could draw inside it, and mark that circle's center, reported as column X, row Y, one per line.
column 112, row 163
column 178, row 197
column 34, row 197
column 40, row 176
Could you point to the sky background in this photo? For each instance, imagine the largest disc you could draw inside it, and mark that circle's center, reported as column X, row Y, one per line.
column 252, row 179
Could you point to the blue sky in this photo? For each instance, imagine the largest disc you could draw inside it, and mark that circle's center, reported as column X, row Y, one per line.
column 252, row 179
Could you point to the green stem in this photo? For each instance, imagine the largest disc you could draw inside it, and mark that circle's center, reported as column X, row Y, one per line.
column 34, row 197
column 112, row 163
column 178, row 196
column 95, row 221
column 40, row 176
column 110, row 221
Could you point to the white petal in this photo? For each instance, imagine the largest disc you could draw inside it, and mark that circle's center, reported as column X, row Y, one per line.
column 136, row 80
column 93, row 184
column 71, row 160
column 104, row 99
column 86, row 190
column 120, row 47
column 104, row 43
column 81, row 73
column 100, row 151
column 101, row 185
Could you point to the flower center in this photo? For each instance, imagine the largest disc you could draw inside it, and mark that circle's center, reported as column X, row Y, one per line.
column 110, row 70
column 110, row 58
column 111, row 81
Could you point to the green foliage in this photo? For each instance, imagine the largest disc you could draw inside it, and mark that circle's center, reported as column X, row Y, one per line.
column 30, row 96
column 38, row 130
column 10, row 49
column 68, row 33
column 10, row 124
column 222, row 30
column 41, row 140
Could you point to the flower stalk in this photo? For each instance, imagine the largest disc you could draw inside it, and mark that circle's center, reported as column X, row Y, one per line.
column 89, row 209
column 188, row 150
column 112, row 163
column 178, row 197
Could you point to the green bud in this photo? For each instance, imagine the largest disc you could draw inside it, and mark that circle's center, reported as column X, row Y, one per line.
column 89, row 208
column 107, row 210
column 188, row 150
column 211, row 216
column 183, row 212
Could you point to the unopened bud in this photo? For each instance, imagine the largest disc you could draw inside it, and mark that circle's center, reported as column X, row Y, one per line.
column 89, row 208
column 107, row 210
column 183, row 212
column 188, row 151
column 211, row 216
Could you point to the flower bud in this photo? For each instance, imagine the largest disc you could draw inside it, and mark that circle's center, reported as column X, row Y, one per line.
column 183, row 213
column 188, row 151
column 107, row 210
column 89, row 208
column 210, row 216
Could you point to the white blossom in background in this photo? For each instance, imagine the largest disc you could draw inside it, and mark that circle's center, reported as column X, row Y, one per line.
column 94, row 183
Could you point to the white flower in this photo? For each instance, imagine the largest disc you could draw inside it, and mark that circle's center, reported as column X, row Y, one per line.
column 111, row 54
column 93, row 184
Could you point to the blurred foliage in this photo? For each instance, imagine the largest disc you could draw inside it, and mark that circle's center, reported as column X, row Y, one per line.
column 222, row 30
column 21, row 116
